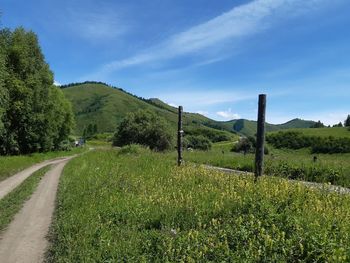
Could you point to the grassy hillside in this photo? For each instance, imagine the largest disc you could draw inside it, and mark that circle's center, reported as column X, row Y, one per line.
column 97, row 103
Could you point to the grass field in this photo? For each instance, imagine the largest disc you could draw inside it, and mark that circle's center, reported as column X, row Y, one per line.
column 325, row 132
column 138, row 206
column 13, row 164
column 13, row 202
column 291, row 164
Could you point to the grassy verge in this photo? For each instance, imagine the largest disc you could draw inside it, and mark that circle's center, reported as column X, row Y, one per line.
column 13, row 202
column 13, row 164
column 135, row 207
column 291, row 164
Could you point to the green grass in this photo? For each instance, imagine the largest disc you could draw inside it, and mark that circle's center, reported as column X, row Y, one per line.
column 13, row 164
column 325, row 132
column 291, row 164
column 13, row 202
column 140, row 207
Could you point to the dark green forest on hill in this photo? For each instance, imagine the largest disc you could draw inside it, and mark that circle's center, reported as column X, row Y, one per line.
column 35, row 116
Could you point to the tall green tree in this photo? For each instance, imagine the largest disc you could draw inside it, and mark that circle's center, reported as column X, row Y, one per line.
column 36, row 116
column 347, row 121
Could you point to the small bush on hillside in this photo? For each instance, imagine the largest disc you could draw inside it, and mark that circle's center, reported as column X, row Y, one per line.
column 198, row 142
column 145, row 128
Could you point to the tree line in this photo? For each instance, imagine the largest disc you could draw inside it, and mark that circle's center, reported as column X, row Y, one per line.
column 34, row 114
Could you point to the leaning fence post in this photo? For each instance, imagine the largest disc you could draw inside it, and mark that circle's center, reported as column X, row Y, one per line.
column 179, row 138
column 260, row 137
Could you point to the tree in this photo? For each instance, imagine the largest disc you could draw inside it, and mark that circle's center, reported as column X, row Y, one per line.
column 35, row 114
column 340, row 124
column 318, row 124
column 347, row 121
column 145, row 128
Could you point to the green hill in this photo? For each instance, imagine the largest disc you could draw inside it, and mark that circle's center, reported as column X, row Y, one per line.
column 248, row 128
column 104, row 105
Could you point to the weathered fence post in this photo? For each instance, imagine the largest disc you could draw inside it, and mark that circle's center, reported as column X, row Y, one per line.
column 260, row 137
column 179, row 138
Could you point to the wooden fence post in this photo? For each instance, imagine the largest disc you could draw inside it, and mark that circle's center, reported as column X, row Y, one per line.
column 260, row 137
column 179, row 138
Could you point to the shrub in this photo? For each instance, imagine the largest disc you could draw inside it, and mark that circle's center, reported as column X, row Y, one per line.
column 198, row 142
column 133, row 149
column 145, row 128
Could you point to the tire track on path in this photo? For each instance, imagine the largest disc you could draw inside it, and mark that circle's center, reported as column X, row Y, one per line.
column 25, row 238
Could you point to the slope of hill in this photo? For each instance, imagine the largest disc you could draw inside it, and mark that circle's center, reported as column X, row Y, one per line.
column 248, row 128
column 105, row 106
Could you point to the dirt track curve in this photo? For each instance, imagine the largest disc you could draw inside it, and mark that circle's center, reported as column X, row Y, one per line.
column 25, row 238
column 7, row 185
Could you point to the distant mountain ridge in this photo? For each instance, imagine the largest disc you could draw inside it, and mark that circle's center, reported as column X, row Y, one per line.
column 104, row 105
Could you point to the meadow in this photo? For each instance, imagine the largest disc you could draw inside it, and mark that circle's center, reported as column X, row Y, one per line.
column 133, row 205
column 291, row 164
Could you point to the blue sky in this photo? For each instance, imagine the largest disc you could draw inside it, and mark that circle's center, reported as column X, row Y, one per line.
column 212, row 57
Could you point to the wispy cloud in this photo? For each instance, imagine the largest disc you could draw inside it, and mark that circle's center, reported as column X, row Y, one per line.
column 239, row 22
column 100, row 24
column 228, row 115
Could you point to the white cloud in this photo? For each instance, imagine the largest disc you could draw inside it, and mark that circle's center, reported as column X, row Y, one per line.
column 55, row 82
column 240, row 21
column 228, row 115
column 172, row 104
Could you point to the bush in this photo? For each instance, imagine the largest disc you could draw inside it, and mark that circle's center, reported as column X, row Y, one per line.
column 247, row 145
column 198, row 142
column 296, row 140
column 133, row 149
column 145, row 128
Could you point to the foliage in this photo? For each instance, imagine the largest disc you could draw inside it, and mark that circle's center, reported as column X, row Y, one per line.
column 35, row 114
column 198, row 142
column 297, row 140
column 142, row 208
column 212, row 134
column 318, row 124
column 90, row 131
column 247, row 145
column 291, row 164
column 145, row 128
column 347, row 121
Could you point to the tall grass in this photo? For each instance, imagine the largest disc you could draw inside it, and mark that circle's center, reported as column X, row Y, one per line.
column 139, row 206
column 291, row 164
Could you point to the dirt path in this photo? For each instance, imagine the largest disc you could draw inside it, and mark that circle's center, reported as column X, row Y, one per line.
column 25, row 239
column 7, row 185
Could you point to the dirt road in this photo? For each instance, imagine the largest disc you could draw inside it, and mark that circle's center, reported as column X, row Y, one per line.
column 25, row 239
column 7, row 185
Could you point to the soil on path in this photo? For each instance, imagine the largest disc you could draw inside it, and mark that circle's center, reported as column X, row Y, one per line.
column 25, row 238
column 7, row 185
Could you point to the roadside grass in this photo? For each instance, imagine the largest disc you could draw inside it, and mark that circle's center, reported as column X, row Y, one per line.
column 13, row 202
column 13, row 164
column 291, row 164
column 138, row 206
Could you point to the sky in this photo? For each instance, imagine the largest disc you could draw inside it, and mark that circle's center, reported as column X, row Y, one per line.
column 211, row 57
